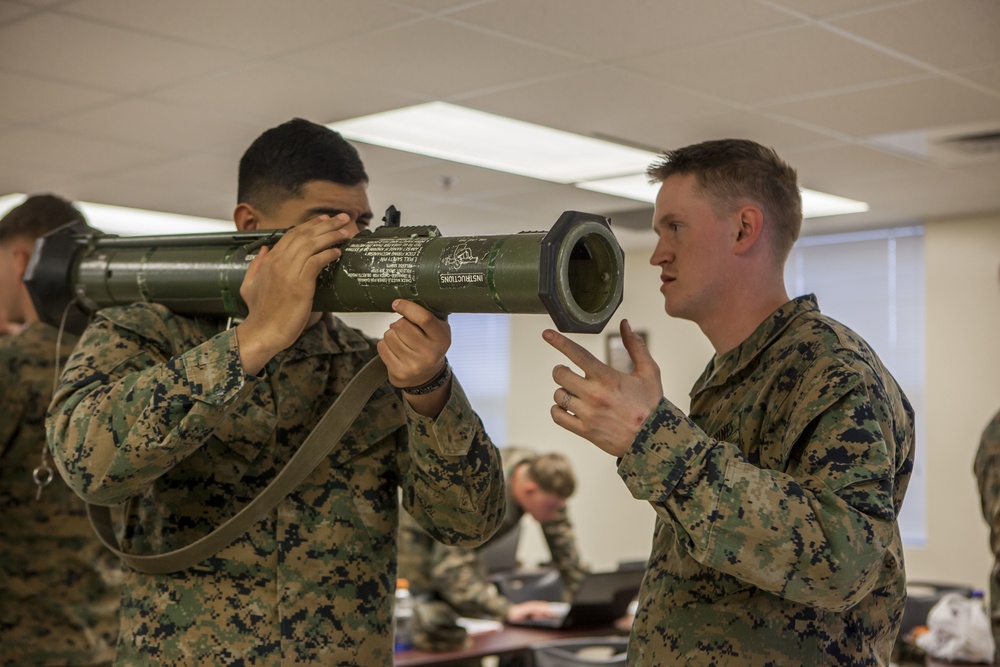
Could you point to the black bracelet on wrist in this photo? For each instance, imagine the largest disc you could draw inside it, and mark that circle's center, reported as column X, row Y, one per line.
column 434, row 384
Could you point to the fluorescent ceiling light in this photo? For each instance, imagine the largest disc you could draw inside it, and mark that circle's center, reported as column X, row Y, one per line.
column 817, row 204
column 458, row 134
column 134, row 221
column 635, row 186
column 814, row 204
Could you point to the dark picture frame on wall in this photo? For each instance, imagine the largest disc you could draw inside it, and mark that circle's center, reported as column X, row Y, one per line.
column 615, row 354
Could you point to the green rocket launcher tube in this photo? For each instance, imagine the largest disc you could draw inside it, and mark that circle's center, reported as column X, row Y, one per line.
column 574, row 272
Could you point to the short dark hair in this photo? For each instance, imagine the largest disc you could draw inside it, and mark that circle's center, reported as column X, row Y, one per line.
column 730, row 171
column 36, row 216
column 284, row 158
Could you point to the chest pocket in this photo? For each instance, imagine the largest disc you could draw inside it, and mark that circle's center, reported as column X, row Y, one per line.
column 239, row 439
column 381, row 416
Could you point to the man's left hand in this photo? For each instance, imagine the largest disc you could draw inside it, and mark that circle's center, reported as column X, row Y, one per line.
column 605, row 406
column 413, row 350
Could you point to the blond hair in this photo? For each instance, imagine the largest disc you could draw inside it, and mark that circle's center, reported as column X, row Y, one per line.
column 553, row 474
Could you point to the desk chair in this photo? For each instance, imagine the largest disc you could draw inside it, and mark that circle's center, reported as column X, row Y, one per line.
column 578, row 652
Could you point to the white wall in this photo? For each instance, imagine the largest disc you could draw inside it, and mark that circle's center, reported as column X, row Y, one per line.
column 963, row 392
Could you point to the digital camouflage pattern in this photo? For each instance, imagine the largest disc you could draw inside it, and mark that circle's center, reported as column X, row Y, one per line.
column 987, row 469
column 59, row 586
column 776, row 541
column 458, row 575
column 155, row 412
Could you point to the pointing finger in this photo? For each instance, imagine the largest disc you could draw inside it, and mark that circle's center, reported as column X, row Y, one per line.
column 642, row 360
column 587, row 362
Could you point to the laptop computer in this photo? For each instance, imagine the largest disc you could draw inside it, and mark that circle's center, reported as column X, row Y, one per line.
column 602, row 599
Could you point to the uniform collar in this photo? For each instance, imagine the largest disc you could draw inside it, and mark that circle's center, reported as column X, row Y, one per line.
column 722, row 368
column 328, row 336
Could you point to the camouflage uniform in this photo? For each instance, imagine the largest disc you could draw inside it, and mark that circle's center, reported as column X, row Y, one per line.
column 776, row 541
column 59, row 587
column 987, row 469
column 155, row 411
column 459, row 576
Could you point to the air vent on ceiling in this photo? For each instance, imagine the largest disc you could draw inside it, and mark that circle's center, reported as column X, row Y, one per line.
column 954, row 146
column 978, row 143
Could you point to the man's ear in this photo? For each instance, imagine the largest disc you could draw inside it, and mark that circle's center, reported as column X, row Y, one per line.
column 749, row 228
column 246, row 217
column 22, row 255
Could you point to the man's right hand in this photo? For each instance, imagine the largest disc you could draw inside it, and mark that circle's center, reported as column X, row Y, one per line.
column 280, row 284
column 531, row 609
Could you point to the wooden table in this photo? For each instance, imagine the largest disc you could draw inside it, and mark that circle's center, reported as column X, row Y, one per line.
column 509, row 641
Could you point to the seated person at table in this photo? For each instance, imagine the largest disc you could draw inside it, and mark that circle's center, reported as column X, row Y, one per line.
column 538, row 485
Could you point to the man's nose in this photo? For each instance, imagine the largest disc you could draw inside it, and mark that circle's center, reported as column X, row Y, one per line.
column 661, row 254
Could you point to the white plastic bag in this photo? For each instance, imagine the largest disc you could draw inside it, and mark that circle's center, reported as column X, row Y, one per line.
column 959, row 629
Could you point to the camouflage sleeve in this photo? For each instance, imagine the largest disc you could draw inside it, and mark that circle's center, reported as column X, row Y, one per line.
column 126, row 411
column 815, row 534
column 452, row 474
column 459, row 577
column 10, row 400
column 987, row 470
column 561, row 539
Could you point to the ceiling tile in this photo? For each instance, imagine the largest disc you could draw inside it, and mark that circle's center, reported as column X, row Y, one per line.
column 986, row 76
column 10, row 11
column 774, row 132
column 822, row 61
column 607, row 30
column 900, row 107
column 74, row 155
column 291, row 92
column 918, row 193
column 452, row 59
column 43, row 3
column 837, row 168
column 441, row 180
column 181, row 199
column 383, row 161
column 91, row 54
column 28, row 100
column 589, row 102
column 827, row 8
column 15, row 176
column 539, row 208
column 436, row 5
column 258, row 28
column 925, row 31
column 159, row 125
column 216, row 172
